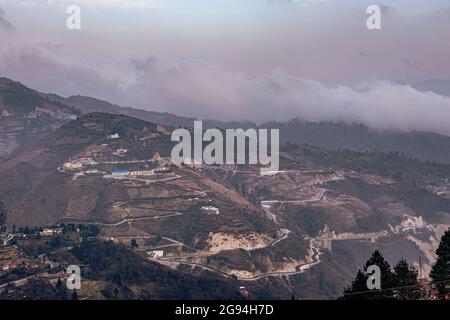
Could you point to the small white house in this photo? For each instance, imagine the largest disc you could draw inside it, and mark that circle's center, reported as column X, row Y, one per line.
column 211, row 210
column 156, row 254
column 142, row 173
column 113, row 136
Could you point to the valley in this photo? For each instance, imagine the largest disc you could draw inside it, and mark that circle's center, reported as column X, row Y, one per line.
column 304, row 231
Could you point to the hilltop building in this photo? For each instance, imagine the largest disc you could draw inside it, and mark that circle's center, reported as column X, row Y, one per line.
column 79, row 163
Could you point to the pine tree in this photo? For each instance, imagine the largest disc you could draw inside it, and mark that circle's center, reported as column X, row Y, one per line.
column 387, row 279
column 440, row 273
column 359, row 289
column 61, row 290
column 405, row 276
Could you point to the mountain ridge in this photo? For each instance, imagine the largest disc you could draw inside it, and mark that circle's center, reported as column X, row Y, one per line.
column 423, row 146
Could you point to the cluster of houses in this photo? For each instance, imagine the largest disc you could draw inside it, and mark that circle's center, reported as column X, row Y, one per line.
column 11, row 259
column 442, row 190
column 27, row 263
column 22, row 264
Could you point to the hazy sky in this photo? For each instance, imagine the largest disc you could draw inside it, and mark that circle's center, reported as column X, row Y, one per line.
column 238, row 59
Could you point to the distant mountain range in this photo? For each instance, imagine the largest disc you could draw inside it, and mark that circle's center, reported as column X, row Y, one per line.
column 25, row 115
column 88, row 105
column 330, row 135
column 333, row 136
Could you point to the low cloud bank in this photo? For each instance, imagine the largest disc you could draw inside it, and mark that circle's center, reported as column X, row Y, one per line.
column 207, row 90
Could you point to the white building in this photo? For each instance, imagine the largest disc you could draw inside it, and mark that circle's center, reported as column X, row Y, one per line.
column 120, row 172
column 133, row 173
column 156, row 254
column 142, row 173
column 79, row 163
column 113, row 136
column 211, row 210
column 72, row 165
column 47, row 232
column 121, row 151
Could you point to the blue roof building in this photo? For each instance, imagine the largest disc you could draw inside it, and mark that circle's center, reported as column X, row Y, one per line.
column 120, row 172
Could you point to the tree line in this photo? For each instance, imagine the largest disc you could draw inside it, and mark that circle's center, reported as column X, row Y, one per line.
column 402, row 281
